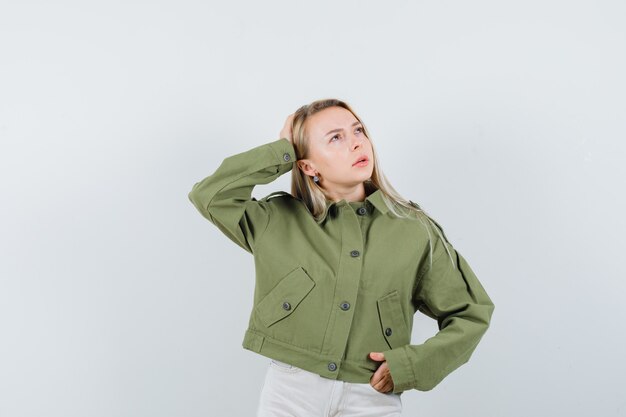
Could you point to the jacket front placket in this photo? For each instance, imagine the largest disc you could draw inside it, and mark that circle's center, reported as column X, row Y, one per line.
column 346, row 287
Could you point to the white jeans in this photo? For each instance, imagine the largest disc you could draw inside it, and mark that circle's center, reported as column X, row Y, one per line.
column 289, row 391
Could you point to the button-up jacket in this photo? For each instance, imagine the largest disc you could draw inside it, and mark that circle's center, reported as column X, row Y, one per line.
column 329, row 292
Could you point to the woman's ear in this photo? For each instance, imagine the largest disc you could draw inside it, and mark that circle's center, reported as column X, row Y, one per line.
column 306, row 167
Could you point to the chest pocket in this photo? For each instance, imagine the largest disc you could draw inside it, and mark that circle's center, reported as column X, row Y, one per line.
column 285, row 297
column 392, row 322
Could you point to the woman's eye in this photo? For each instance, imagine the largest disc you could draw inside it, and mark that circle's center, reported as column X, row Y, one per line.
column 359, row 129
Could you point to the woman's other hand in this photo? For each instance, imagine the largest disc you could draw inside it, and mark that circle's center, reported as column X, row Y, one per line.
column 381, row 380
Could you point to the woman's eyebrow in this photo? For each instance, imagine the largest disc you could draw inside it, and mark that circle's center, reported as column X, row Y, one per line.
column 340, row 129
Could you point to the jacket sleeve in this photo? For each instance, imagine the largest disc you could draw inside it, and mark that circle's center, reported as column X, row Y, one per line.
column 225, row 197
column 452, row 295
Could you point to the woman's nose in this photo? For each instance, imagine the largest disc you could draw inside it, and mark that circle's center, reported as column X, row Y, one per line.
column 356, row 141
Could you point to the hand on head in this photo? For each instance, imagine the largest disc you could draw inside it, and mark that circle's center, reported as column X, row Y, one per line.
column 286, row 131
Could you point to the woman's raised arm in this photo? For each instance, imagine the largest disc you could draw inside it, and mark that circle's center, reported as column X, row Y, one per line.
column 225, row 197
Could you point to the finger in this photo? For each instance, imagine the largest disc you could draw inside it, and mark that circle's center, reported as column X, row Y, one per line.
column 386, row 383
column 388, row 387
column 377, row 377
column 379, row 385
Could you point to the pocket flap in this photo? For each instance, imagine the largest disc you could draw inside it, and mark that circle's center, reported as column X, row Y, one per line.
column 283, row 299
column 392, row 320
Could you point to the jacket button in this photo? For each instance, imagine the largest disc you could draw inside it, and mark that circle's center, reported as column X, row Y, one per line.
column 354, row 253
column 345, row 305
column 388, row 331
column 286, row 306
column 332, row 366
column 286, row 156
column 362, row 210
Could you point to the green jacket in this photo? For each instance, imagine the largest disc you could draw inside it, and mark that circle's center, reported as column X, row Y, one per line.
column 328, row 293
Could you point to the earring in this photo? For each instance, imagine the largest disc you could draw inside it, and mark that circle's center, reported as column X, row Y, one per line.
column 316, row 179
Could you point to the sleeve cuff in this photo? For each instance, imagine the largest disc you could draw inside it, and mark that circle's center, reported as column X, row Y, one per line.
column 284, row 152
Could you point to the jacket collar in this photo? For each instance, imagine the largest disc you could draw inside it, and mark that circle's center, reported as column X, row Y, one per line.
column 374, row 198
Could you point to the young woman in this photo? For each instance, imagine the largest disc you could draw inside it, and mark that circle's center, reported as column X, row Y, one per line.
column 342, row 263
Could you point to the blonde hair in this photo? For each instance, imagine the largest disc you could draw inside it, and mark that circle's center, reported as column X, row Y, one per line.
column 313, row 196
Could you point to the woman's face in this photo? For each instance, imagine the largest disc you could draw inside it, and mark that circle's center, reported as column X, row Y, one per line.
column 336, row 142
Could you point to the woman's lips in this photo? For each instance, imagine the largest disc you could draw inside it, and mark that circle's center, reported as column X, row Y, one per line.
column 359, row 162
